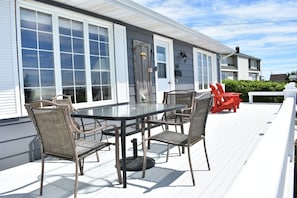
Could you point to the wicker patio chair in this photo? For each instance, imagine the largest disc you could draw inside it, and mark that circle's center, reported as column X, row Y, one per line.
column 196, row 132
column 66, row 99
column 55, row 127
column 176, row 118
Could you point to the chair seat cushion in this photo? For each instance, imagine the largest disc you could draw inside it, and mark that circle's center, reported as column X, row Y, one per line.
column 85, row 147
column 171, row 138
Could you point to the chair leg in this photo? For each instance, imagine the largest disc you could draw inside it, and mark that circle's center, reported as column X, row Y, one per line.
column 117, row 157
column 76, row 177
column 206, row 154
column 190, row 164
column 81, row 165
column 42, row 174
column 167, row 155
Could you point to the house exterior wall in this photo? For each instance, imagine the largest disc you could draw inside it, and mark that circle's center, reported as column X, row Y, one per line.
column 243, row 68
column 184, row 74
column 18, row 135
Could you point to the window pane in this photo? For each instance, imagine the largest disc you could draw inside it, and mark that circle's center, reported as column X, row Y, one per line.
column 94, row 62
column 104, row 51
column 105, row 78
column 93, row 32
column 103, row 34
column 29, row 58
column 45, row 41
column 94, row 48
column 105, row 63
column 95, row 78
column 44, row 22
column 64, row 26
column 66, row 61
column 28, row 19
column 69, row 91
column 80, row 78
column 29, row 39
column 106, row 90
column 31, row 78
column 48, row 93
column 47, row 78
column 162, row 70
column 77, row 29
column 65, row 44
column 96, row 92
column 79, row 62
column 81, row 94
column 78, row 45
column 161, row 54
column 32, row 95
column 46, row 59
column 67, row 78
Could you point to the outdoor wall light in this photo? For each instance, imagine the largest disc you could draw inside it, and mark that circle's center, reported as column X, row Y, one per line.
column 184, row 56
column 143, row 55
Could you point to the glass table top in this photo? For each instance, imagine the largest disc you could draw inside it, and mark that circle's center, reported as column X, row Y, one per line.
column 126, row 111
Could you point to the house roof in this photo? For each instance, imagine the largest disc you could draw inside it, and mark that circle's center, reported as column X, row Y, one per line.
column 129, row 12
column 247, row 56
column 278, row 77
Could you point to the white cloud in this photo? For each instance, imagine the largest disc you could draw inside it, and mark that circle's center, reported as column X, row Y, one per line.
column 266, row 29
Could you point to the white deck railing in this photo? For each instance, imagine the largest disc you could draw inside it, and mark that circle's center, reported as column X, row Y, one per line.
column 263, row 93
column 269, row 172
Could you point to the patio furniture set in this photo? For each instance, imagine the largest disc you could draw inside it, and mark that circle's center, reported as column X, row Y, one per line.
column 60, row 134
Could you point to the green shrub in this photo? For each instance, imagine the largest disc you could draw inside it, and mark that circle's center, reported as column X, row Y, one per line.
column 244, row 86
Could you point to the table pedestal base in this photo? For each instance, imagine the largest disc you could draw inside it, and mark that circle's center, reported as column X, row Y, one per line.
column 136, row 163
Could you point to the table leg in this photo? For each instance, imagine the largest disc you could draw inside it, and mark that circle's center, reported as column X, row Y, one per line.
column 123, row 143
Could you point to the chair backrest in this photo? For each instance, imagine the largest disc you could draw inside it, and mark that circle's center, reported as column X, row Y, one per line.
column 203, row 104
column 54, row 127
column 180, row 97
column 218, row 97
column 64, row 99
column 220, row 88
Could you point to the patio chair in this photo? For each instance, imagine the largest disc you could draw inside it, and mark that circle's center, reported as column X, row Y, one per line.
column 66, row 99
column 196, row 132
column 219, row 103
column 175, row 118
column 55, row 127
column 227, row 95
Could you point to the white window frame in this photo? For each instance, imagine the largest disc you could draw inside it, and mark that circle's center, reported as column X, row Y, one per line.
column 212, row 74
column 59, row 12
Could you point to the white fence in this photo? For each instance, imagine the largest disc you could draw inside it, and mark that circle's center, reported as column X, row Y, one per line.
column 270, row 170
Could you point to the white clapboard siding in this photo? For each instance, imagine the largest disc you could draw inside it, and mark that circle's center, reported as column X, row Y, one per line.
column 9, row 88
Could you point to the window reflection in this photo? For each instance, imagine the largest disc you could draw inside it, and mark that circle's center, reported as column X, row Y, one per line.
column 37, row 54
column 100, row 66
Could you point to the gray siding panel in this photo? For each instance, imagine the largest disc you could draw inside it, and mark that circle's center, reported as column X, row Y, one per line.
column 184, row 72
column 18, row 144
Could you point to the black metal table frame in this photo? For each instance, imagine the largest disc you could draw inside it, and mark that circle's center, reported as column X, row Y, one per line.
column 105, row 113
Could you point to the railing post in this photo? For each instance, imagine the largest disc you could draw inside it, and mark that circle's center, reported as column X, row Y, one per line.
column 291, row 91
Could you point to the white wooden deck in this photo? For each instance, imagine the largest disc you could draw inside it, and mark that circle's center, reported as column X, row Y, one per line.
column 231, row 138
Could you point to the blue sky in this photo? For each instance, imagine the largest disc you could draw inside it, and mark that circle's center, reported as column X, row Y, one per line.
column 264, row 29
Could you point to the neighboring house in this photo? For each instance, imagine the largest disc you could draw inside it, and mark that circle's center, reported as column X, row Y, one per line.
column 101, row 52
column 278, row 77
column 239, row 66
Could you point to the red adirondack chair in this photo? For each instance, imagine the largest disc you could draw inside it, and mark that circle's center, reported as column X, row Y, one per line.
column 220, row 103
column 226, row 95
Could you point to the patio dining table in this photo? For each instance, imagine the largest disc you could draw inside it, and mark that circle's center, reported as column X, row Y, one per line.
column 124, row 113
